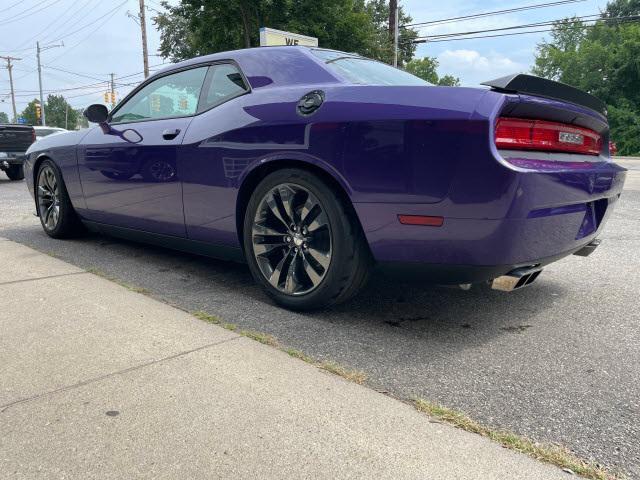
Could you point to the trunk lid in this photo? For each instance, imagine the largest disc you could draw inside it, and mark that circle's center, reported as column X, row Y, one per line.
column 541, row 87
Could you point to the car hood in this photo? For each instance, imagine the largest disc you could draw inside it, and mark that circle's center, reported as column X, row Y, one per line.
column 62, row 139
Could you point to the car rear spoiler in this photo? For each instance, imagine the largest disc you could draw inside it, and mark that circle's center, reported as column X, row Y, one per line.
column 541, row 87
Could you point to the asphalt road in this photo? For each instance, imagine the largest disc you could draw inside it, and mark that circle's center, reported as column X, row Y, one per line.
column 557, row 362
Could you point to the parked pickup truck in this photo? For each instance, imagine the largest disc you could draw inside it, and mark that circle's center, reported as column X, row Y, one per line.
column 14, row 142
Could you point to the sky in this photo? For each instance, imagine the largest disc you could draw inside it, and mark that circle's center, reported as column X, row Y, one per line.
column 475, row 61
column 101, row 37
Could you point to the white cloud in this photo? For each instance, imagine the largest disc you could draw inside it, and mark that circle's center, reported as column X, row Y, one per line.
column 472, row 67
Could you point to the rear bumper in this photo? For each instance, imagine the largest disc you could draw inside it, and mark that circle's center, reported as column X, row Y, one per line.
column 11, row 158
column 540, row 216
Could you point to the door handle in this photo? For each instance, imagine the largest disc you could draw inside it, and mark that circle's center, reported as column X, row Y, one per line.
column 170, row 134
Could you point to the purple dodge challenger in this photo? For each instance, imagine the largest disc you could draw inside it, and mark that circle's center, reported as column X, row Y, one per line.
column 314, row 165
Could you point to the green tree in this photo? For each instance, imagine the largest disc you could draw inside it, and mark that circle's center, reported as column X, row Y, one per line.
column 55, row 111
column 82, row 121
column 602, row 60
column 4, row 118
column 449, row 81
column 59, row 113
column 427, row 69
column 198, row 27
column 381, row 46
column 622, row 8
column 29, row 113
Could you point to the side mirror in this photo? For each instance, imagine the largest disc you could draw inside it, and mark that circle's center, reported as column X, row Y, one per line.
column 96, row 113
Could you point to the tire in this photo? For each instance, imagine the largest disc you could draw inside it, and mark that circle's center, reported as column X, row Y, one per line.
column 332, row 261
column 57, row 215
column 15, row 172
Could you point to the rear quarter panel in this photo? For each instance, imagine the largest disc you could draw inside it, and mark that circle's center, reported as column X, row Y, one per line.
column 382, row 144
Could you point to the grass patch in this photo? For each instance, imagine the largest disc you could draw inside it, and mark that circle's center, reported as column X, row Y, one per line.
column 553, row 454
column 133, row 288
column 292, row 352
column 213, row 319
column 356, row 376
column 263, row 338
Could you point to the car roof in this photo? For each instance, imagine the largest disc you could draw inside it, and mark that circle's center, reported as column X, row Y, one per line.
column 232, row 54
column 282, row 64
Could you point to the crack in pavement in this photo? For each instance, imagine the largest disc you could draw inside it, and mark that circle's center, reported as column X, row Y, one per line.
column 5, row 407
column 41, row 278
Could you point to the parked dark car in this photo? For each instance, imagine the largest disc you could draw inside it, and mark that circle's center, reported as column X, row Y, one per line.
column 314, row 165
column 14, row 142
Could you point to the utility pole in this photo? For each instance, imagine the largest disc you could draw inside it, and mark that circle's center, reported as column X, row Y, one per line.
column 38, row 50
column 143, row 28
column 113, row 91
column 394, row 20
column 13, row 96
column 42, row 120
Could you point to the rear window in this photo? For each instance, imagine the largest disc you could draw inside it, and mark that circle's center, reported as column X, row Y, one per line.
column 365, row 71
column 224, row 82
column 43, row 132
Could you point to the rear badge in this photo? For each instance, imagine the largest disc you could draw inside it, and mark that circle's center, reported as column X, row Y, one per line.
column 574, row 138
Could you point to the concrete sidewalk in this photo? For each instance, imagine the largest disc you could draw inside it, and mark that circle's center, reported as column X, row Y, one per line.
column 97, row 381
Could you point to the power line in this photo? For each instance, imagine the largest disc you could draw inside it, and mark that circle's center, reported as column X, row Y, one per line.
column 72, row 73
column 585, row 18
column 15, row 17
column 112, row 13
column 86, row 94
column 12, row 5
column 113, row 10
column 47, row 38
column 492, row 13
column 30, row 39
column 59, row 90
column 456, row 38
column 77, row 21
column 140, row 73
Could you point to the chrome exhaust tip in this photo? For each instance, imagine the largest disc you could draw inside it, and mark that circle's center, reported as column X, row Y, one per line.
column 589, row 248
column 516, row 279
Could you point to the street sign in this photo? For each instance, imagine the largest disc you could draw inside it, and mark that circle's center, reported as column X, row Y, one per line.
column 22, row 120
column 271, row 36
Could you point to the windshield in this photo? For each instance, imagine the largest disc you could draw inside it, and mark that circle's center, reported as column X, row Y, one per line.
column 365, row 71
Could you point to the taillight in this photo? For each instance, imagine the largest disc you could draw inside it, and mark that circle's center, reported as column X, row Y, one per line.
column 524, row 134
column 33, row 135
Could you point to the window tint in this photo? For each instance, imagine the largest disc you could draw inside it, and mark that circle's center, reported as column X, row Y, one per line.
column 173, row 95
column 224, row 82
column 43, row 132
column 364, row 71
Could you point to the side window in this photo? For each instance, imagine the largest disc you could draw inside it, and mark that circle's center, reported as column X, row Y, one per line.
column 223, row 83
column 173, row 95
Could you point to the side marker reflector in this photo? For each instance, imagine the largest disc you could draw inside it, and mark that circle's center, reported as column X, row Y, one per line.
column 423, row 220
